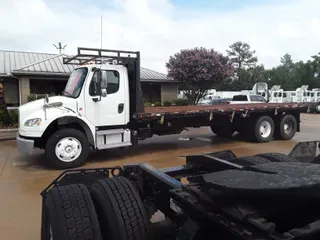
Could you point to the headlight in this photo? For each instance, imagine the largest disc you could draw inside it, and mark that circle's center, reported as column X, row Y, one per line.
column 32, row 122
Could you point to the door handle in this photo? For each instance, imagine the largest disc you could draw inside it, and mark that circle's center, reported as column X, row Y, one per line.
column 120, row 107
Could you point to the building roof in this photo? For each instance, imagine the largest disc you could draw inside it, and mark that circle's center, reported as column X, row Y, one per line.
column 52, row 64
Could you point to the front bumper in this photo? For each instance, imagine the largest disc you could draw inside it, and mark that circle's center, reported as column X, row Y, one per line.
column 25, row 146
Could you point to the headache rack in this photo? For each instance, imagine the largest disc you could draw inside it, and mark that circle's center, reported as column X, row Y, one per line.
column 102, row 56
column 129, row 59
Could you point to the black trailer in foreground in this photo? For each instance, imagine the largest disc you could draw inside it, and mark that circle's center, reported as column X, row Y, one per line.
column 213, row 196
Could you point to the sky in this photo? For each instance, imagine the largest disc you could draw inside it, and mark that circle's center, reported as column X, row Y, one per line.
column 160, row 28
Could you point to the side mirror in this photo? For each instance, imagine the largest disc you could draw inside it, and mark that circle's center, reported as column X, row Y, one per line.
column 103, row 83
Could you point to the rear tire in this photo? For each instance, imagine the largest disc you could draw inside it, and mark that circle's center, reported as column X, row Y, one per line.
column 120, row 209
column 223, row 131
column 263, row 129
column 67, row 148
column 277, row 157
column 286, row 128
column 72, row 214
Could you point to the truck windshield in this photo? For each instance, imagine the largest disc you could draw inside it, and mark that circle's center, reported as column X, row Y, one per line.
column 75, row 82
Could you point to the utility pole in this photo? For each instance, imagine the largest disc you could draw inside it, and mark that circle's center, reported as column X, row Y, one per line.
column 101, row 31
column 59, row 47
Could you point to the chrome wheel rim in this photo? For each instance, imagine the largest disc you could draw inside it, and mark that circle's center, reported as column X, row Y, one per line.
column 287, row 127
column 68, row 149
column 265, row 129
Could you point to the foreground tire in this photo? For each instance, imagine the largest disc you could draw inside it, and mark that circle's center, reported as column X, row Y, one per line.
column 249, row 161
column 277, row 157
column 72, row 214
column 223, row 131
column 121, row 211
column 286, row 128
column 316, row 160
column 67, row 148
column 263, row 129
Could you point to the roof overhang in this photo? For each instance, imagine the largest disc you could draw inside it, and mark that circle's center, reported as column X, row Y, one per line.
column 29, row 73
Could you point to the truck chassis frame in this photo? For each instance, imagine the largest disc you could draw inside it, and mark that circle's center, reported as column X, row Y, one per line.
column 196, row 209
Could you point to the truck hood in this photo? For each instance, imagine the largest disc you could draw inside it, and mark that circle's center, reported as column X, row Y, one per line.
column 35, row 108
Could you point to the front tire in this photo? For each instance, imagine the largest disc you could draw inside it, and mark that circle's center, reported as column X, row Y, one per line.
column 67, row 148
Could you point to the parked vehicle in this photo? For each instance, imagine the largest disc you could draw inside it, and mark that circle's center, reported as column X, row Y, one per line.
column 247, row 99
column 219, row 101
column 270, row 196
column 102, row 108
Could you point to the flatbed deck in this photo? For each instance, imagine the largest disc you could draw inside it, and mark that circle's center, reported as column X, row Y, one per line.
column 178, row 110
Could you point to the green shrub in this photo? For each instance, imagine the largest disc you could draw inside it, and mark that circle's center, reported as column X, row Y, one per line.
column 167, row 103
column 182, row 102
column 147, row 104
column 9, row 118
column 157, row 104
column 14, row 116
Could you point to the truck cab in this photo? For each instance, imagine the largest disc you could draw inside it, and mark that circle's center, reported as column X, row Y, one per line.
column 94, row 109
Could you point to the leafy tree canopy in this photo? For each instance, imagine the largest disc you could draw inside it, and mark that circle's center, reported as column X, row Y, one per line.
column 198, row 70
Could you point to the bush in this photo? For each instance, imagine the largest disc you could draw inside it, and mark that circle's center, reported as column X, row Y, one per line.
column 157, row 104
column 9, row 118
column 182, row 102
column 167, row 103
column 14, row 116
column 147, row 104
column 33, row 97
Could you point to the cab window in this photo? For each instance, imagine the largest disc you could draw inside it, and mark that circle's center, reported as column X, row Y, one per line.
column 113, row 81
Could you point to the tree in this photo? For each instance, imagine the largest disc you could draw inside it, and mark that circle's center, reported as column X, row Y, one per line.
column 247, row 71
column 242, row 55
column 198, row 70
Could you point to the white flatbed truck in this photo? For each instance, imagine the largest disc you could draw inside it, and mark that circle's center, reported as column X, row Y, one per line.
column 102, row 108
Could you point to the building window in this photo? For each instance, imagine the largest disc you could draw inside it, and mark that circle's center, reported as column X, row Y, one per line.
column 47, row 86
column 11, row 91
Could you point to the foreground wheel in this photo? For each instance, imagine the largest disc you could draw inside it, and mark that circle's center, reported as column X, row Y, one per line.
column 67, row 148
column 263, row 129
column 72, row 214
column 286, row 128
column 277, row 157
column 120, row 209
column 223, row 131
column 316, row 160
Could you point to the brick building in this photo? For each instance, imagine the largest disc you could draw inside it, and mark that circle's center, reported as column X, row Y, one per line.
column 25, row 73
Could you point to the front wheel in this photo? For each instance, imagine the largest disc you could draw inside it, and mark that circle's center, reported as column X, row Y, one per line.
column 67, row 148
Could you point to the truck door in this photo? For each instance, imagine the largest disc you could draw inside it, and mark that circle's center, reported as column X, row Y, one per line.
column 108, row 112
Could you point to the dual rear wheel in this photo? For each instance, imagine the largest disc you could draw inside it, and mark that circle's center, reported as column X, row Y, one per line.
column 262, row 129
column 110, row 210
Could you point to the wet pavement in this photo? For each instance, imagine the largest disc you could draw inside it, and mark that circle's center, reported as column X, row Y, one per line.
column 22, row 179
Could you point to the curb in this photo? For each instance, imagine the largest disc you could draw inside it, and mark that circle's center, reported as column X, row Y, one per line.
column 7, row 139
column 8, row 130
column 8, row 134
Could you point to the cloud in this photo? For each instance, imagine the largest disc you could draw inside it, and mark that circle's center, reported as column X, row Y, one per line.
column 158, row 28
